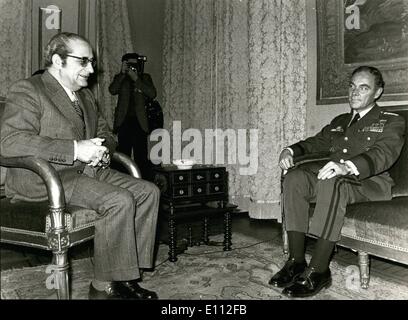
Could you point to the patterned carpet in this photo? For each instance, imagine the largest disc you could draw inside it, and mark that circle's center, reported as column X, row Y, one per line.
column 206, row 272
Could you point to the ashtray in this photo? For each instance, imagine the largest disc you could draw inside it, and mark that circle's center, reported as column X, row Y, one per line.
column 184, row 164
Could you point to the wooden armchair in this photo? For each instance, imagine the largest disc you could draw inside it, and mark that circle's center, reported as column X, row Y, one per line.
column 50, row 225
column 377, row 228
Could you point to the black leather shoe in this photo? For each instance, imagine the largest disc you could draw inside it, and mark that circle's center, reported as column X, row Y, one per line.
column 132, row 290
column 287, row 275
column 110, row 293
column 309, row 283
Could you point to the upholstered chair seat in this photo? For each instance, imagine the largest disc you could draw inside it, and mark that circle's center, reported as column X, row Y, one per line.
column 32, row 219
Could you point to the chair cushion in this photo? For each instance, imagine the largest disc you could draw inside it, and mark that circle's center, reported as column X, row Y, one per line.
column 31, row 215
column 382, row 222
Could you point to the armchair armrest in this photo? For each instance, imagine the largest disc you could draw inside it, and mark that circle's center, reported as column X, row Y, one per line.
column 307, row 158
column 50, row 176
column 45, row 171
column 55, row 191
column 311, row 157
column 128, row 163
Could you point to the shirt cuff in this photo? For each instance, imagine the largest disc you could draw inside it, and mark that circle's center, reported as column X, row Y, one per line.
column 75, row 150
column 352, row 167
column 290, row 150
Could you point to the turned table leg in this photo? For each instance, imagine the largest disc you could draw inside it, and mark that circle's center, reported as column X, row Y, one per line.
column 227, row 229
column 205, row 237
column 172, row 236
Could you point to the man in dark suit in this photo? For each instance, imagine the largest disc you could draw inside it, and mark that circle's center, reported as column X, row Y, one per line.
column 134, row 88
column 362, row 145
column 54, row 116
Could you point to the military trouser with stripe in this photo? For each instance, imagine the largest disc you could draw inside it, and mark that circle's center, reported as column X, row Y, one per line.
column 301, row 186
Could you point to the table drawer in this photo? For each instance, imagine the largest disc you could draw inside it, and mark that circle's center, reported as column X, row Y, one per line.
column 181, row 177
column 199, row 189
column 217, row 175
column 199, row 176
column 216, row 188
column 181, row 192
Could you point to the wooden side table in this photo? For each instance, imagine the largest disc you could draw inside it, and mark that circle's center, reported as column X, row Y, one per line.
column 197, row 193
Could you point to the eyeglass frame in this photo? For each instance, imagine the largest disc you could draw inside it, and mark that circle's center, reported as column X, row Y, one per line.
column 84, row 60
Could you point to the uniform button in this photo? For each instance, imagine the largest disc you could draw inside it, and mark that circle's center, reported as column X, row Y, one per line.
column 341, row 160
column 368, row 138
column 345, row 138
column 344, row 150
column 79, row 171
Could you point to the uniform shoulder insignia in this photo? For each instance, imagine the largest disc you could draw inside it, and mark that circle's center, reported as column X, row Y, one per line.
column 390, row 113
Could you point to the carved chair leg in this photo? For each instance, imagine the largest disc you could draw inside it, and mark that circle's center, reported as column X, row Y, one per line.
column 364, row 265
column 61, row 274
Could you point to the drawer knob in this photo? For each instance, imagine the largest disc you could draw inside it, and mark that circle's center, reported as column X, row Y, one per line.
column 181, row 192
column 217, row 175
column 217, row 188
column 181, row 178
column 199, row 190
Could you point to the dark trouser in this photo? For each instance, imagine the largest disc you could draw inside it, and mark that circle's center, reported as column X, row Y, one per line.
column 126, row 225
column 132, row 137
column 301, row 186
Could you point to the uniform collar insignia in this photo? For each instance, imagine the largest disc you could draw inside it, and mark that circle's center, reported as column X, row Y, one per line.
column 338, row 129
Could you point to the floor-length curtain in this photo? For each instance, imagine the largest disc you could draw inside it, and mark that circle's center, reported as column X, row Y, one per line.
column 240, row 65
column 188, row 59
column 114, row 40
column 15, row 34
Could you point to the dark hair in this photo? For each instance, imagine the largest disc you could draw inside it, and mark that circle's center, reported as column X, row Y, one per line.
column 378, row 78
column 128, row 56
column 60, row 44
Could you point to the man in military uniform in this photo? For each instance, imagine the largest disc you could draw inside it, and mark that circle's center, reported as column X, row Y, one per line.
column 361, row 146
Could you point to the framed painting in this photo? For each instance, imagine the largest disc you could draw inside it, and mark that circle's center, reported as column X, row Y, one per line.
column 352, row 33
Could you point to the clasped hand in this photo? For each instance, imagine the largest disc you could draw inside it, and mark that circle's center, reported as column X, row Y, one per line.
column 332, row 169
column 93, row 152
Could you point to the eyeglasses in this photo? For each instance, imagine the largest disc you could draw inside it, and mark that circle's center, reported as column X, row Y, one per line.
column 84, row 61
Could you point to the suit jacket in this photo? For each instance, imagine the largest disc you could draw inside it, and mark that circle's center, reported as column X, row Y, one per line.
column 132, row 95
column 39, row 120
column 373, row 144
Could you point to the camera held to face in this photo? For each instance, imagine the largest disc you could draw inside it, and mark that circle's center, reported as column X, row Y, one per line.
column 137, row 64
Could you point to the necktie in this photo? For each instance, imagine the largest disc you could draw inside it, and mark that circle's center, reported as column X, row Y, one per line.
column 355, row 119
column 77, row 109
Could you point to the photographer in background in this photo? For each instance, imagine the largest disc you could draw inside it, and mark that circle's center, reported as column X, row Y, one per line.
column 134, row 88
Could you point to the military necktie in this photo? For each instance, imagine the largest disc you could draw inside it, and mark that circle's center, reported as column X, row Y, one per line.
column 355, row 119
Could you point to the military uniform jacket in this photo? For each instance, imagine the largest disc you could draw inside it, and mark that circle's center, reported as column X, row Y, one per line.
column 373, row 144
column 39, row 120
